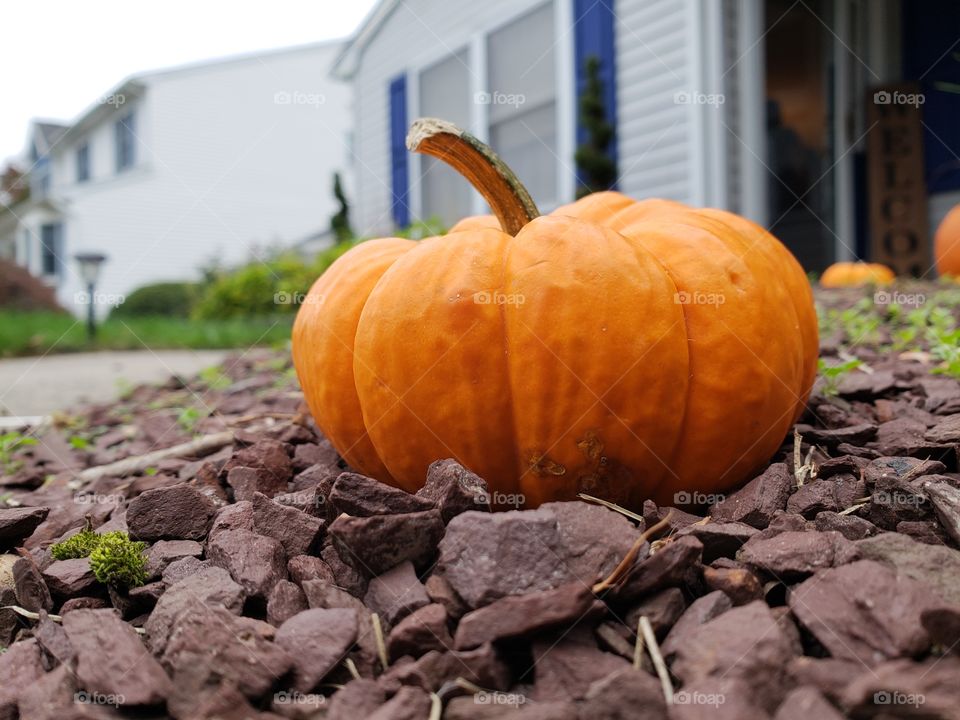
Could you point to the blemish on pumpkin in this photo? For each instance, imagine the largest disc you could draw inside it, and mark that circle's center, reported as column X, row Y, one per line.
column 542, row 465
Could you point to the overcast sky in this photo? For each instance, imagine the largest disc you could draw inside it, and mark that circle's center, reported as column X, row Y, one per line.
column 59, row 56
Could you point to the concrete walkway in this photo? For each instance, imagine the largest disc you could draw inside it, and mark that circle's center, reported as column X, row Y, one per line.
column 38, row 386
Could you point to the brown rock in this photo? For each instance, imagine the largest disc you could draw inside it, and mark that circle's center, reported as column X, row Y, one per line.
column 745, row 643
column 163, row 552
column 396, row 593
column 701, row 610
column 942, row 624
column 308, row 567
column 420, row 632
column 830, row 676
column 665, row 568
column 566, row 669
column 111, row 659
column 255, row 561
column 375, row 544
column 346, row 576
column 20, row 668
column 271, row 462
column 286, row 600
column 238, row 516
column 439, row 590
column 361, row 496
column 178, row 512
column 30, row 590
column 863, row 611
column 408, row 704
column 627, row 694
column 318, row 640
column 298, row 532
column 517, row 615
column 903, row 688
column 179, row 569
column 812, row 498
column 454, row 489
column 208, row 586
column 947, row 430
column 850, row 526
column 481, row 666
column 357, row 699
column 719, row 539
column 792, row 555
column 662, row 609
column 936, row 566
column 804, row 703
column 19, row 523
column 209, row 646
column 739, row 584
column 756, row 502
column 68, row 578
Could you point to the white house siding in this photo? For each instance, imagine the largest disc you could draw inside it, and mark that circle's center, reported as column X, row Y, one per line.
column 416, row 34
column 225, row 168
column 658, row 146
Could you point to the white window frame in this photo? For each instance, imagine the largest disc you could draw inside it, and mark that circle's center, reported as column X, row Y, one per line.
column 476, row 46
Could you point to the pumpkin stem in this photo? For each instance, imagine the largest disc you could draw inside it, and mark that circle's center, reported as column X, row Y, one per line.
column 479, row 164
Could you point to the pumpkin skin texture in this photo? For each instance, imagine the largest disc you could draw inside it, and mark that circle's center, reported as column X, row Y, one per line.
column 630, row 350
column 946, row 244
column 855, row 274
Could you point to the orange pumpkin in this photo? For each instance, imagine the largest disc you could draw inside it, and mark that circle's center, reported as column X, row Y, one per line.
column 946, row 244
column 630, row 350
column 853, row 274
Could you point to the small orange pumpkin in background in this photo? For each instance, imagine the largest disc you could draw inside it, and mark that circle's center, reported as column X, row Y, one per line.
column 630, row 350
column 854, row 274
column 946, row 244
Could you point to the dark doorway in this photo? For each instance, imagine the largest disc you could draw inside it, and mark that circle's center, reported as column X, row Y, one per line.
column 799, row 129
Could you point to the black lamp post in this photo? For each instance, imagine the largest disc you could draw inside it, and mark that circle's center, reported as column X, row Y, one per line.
column 89, row 272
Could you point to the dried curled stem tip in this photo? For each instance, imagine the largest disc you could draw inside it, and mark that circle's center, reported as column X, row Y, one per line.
column 480, row 165
column 624, row 567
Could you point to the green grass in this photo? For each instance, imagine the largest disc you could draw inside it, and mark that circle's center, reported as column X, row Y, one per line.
column 35, row 333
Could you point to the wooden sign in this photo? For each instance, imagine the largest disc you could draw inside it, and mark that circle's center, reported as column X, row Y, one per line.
column 899, row 225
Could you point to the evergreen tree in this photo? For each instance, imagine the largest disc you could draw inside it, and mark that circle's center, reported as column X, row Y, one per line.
column 340, row 223
column 596, row 169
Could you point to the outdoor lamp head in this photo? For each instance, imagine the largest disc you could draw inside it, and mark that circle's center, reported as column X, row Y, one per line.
column 90, row 266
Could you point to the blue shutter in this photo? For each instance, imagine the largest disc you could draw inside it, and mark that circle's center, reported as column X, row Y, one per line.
column 594, row 35
column 398, row 151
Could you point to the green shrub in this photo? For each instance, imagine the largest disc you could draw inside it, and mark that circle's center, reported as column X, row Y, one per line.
column 172, row 299
column 275, row 286
column 119, row 561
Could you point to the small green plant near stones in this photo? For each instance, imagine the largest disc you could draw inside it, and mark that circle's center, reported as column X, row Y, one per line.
column 115, row 559
column 119, row 561
column 10, row 444
column 76, row 546
column 832, row 374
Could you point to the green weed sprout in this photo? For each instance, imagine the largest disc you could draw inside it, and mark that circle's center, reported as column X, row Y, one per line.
column 119, row 561
column 76, row 546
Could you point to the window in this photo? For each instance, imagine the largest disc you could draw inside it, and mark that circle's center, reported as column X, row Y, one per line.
column 51, row 249
column 522, row 101
column 445, row 93
column 125, row 142
column 40, row 178
column 83, row 163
